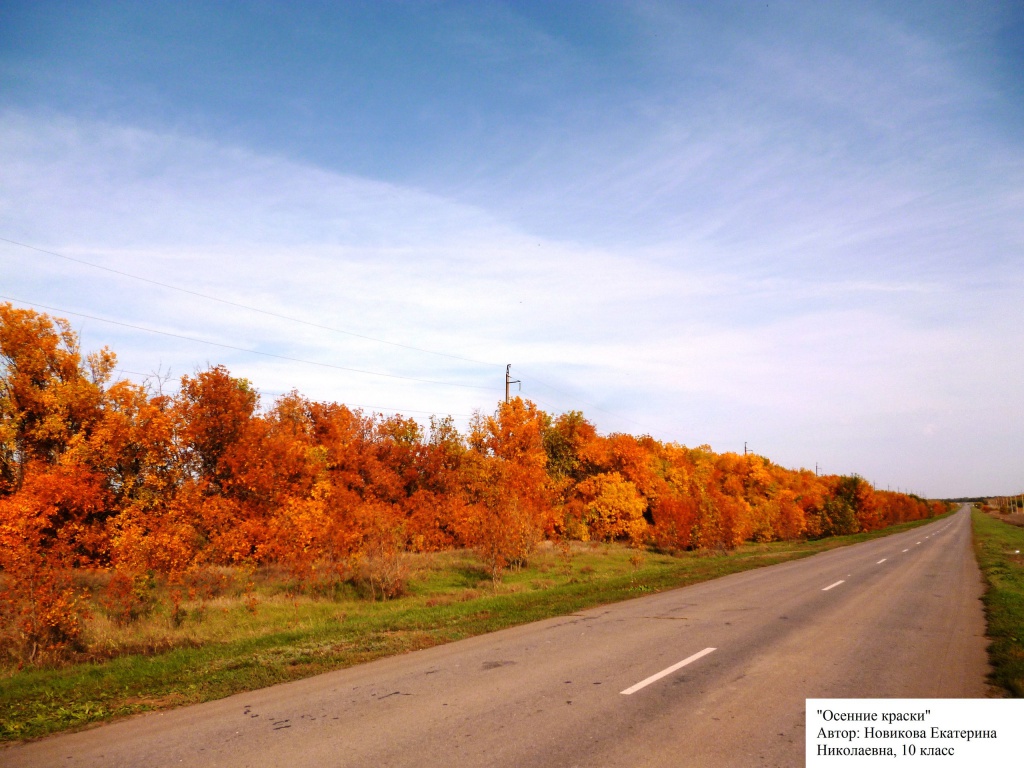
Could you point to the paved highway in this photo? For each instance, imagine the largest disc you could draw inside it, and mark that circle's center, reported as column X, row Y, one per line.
column 894, row 617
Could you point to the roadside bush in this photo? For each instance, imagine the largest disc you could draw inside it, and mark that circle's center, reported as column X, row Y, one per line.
column 41, row 614
column 381, row 564
column 128, row 597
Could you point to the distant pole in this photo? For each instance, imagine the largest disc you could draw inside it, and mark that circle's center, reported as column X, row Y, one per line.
column 509, row 380
column 815, row 469
column 744, row 447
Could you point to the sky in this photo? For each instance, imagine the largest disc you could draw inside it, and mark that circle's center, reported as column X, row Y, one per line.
column 796, row 227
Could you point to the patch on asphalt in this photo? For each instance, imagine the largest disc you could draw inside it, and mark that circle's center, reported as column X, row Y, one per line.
column 496, row 664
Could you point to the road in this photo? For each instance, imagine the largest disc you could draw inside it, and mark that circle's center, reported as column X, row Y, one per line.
column 894, row 617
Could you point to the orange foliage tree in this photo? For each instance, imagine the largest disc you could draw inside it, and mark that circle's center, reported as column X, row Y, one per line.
column 53, row 505
column 112, row 475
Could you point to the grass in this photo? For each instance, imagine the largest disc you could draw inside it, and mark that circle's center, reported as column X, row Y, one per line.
column 223, row 647
column 998, row 546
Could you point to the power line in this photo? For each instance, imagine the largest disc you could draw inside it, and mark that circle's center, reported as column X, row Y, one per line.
column 374, row 408
column 134, row 373
column 245, row 306
column 383, row 409
column 592, row 405
column 243, row 349
column 401, row 411
column 306, row 323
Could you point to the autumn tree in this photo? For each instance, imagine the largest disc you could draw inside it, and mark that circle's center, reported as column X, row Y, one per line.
column 505, row 530
column 438, row 512
column 52, row 505
column 714, row 524
column 838, row 513
column 613, row 508
column 515, row 436
column 108, row 474
column 49, row 395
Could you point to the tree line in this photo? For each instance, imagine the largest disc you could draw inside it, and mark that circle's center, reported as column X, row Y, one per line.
column 103, row 473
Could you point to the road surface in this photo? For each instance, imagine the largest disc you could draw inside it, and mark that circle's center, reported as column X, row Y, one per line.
column 894, row 617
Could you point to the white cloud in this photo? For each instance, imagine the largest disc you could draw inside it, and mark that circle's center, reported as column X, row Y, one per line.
column 697, row 339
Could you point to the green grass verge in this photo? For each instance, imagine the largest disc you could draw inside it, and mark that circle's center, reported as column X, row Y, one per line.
column 291, row 638
column 998, row 546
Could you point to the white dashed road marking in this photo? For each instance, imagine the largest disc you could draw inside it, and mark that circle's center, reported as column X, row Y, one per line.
column 667, row 671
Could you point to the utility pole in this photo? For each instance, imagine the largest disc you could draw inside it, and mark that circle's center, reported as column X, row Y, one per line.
column 744, row 447
column 509, row 380
column 815, row 469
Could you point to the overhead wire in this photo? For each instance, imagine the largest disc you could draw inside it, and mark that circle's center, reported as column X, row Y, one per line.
column 289, row 318
column 397, row 411
column 134, row 373
column 243, row 349
column 526, row 372
column 248, row 307
column 375, row 408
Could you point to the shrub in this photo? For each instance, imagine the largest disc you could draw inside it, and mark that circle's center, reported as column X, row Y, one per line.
column 128, row 597
column 41, row 613
column 381, row 562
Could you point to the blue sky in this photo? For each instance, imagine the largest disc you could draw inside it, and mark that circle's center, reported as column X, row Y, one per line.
column 799, row 225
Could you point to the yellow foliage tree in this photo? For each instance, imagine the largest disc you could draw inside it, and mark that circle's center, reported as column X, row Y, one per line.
column 613, row 508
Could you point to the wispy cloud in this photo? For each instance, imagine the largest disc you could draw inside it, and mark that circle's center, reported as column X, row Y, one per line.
column 791, row 230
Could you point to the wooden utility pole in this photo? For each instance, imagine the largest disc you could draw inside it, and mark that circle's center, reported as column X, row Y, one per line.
column 509, row 380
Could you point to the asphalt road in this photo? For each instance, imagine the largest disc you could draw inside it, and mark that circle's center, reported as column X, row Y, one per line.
column 894, row 617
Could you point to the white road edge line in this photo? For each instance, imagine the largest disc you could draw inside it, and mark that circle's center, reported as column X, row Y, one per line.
column 882, row 561
column 826, row 589
column 668, row 671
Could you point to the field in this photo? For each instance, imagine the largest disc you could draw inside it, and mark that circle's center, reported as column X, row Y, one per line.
column 998, row 546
